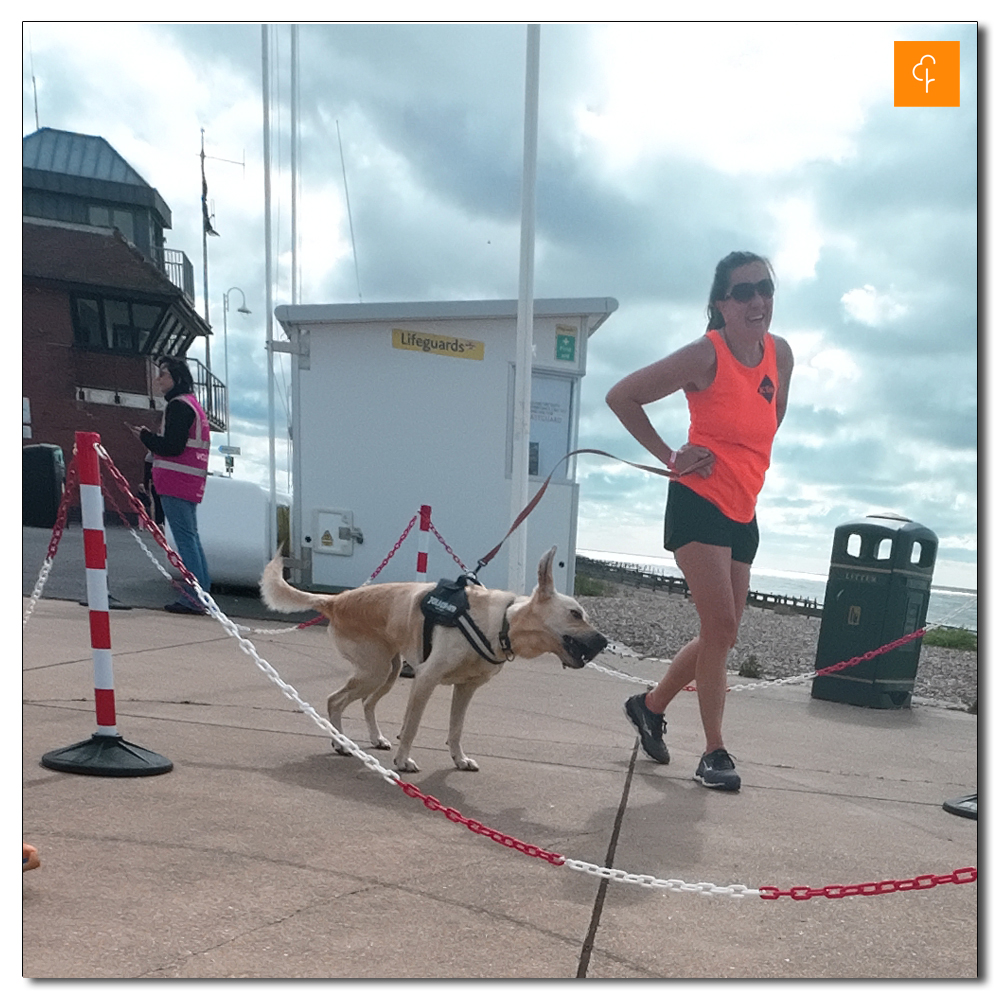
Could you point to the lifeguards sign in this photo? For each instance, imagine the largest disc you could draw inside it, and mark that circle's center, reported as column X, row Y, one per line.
column 431, row 343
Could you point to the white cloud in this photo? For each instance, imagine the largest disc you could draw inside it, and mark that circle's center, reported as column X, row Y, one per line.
column 873, row 308
column 747, row 98
column 799, row 239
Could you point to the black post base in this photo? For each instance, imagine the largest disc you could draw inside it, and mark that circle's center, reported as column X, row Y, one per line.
column 108, row 756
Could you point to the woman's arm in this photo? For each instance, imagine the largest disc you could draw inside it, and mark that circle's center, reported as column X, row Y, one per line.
column 176, row 430
column 785, row 362
column 691, row 368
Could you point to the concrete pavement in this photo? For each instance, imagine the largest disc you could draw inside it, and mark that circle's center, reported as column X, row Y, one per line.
column 262, row 854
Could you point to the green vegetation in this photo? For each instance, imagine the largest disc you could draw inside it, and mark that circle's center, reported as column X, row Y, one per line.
column 952, row 638
column 751, row 667
column 586, row 586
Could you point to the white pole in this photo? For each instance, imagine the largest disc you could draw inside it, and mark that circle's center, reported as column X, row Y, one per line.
column 272, row 519
column 294, row 161
column 518, row 542
column 292, row 450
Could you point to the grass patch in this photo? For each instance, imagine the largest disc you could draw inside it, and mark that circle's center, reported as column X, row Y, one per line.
column 586, row 586
column 952, row 638
column 751, row 667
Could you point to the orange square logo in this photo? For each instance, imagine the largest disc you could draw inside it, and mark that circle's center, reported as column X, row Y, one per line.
column 926, row 75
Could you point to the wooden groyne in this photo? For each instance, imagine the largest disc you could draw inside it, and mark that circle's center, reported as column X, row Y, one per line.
column 631, row 575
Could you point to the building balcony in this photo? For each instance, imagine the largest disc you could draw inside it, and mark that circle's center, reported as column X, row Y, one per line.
column 176, row 266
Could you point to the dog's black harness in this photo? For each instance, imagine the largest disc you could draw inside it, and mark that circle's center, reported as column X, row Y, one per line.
column 448, row 605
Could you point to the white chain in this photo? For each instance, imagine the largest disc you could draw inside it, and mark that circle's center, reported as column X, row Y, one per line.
column 602, row 668
column 673, row 884
column 43, row 575
column 289, row 692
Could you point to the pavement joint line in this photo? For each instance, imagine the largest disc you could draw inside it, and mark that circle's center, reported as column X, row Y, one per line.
column 595, row 919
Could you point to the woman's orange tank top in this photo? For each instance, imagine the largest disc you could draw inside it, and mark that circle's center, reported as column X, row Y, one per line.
column 735, row 417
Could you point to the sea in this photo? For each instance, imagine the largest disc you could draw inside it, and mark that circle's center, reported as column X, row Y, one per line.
column 953, row 606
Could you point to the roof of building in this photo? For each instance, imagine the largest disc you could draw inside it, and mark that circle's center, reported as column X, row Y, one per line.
column 71, row 256
column 85, row 165
column 85, row 255
column 597, row 309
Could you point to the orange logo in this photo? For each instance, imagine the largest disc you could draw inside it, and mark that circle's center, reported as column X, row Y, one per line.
column 926, row 75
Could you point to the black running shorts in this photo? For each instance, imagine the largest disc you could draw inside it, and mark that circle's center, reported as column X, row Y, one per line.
column 692, row 518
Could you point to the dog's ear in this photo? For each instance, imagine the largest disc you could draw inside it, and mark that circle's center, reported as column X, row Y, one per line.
column 546, row 588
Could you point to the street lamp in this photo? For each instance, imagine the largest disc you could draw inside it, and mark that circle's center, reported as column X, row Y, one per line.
column 230, row 451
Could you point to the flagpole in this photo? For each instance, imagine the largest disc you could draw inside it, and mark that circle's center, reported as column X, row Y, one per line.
column 204, row 253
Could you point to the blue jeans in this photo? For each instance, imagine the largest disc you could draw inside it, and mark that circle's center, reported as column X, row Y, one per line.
column 182, row 516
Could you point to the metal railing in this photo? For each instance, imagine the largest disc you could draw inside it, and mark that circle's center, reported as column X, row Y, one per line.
column 178, row 269
column 211, row 392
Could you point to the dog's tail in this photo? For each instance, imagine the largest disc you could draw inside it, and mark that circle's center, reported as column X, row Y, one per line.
column 279, row 595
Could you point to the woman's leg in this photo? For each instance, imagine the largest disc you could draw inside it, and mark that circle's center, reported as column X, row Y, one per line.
column 718, row 588
column 182, row 517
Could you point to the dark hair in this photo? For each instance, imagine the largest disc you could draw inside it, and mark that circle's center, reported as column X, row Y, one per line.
column 180, row 373
column 723, row 272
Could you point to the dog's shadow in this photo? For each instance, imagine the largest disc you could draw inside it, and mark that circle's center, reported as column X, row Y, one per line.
column 663, row 831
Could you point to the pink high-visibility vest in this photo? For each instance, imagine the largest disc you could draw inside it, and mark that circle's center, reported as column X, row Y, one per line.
column 184, row 475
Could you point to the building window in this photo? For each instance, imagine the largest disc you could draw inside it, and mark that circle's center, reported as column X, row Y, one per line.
column 107, row 217
column 115, row 324
column 87, row 320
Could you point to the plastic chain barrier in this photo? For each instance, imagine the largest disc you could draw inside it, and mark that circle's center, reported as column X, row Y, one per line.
column 70, row 490
column 448, row 548
column 402, row 538
column 958, row 876
column 797, row 679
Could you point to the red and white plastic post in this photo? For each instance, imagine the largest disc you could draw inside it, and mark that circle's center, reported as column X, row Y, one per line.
column 95, row 553
column 105, row 753
column 425, row 529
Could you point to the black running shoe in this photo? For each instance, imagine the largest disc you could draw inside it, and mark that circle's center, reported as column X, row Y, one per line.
column 179, row 608
column 651, row 727
column 717, row 770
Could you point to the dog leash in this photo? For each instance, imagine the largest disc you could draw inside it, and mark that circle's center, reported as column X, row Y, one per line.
column 657, row 471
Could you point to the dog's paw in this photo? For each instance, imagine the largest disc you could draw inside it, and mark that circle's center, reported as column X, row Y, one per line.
column 466, row 764
column 339, row 749
column 382, row 744
column 407, row 766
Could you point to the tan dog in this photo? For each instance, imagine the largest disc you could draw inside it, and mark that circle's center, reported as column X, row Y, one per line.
column 375, row 627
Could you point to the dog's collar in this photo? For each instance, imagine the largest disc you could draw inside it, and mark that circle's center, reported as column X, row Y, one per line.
column 505, row 646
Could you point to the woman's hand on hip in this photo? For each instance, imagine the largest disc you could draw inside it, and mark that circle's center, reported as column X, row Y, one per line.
column 694, row 458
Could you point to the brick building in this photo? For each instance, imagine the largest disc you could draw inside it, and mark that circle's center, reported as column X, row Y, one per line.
column 102, row 299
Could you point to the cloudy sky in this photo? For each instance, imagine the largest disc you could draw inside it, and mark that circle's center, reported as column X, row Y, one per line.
column 661, row 148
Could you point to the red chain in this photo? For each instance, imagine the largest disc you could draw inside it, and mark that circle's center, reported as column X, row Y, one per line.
column 147, row 522
column 395, row 548
column 855, row 660
column 476, row 827
column 871, row 654
column 447, row 547
column 957, row 877
column 69, row 492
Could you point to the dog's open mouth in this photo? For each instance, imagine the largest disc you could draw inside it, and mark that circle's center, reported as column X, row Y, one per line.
column 580, row 651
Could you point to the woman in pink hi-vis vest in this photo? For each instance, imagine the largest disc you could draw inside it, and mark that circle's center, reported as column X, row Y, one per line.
column 180, row 469
column 736, row 380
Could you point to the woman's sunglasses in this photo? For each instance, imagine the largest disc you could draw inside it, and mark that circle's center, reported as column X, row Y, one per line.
column 744, row 291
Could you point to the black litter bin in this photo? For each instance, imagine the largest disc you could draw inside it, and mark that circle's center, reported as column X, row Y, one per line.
column 43, row 478
column 877, row 591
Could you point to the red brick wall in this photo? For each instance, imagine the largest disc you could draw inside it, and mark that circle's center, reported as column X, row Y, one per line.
column 52, row 368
